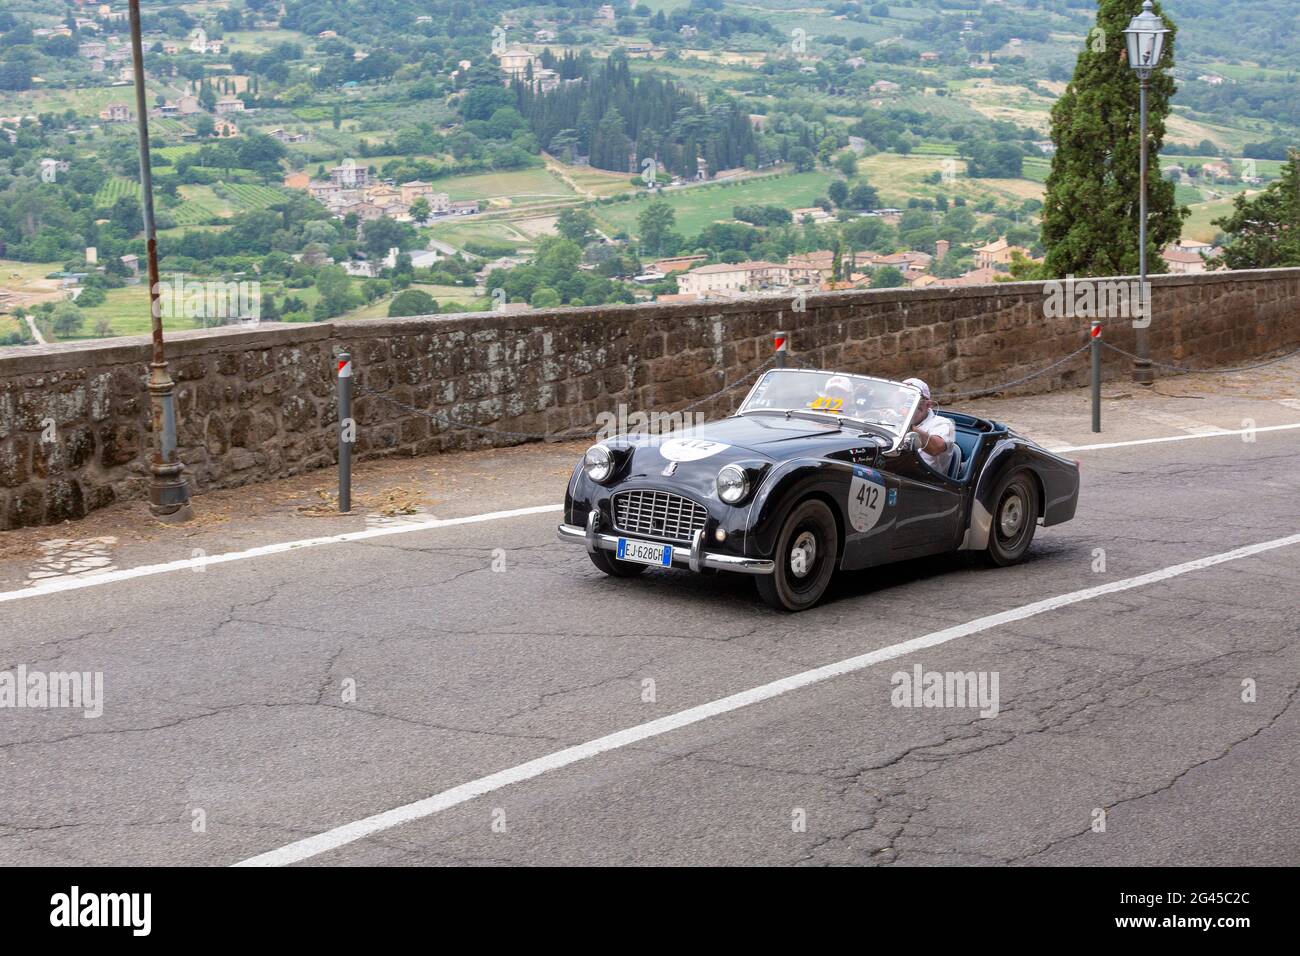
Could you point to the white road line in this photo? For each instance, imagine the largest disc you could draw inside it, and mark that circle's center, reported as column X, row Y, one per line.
column 73, row 583
column 76, row 582
column 1168, row 438
column 359, row 829
column 1173, row 420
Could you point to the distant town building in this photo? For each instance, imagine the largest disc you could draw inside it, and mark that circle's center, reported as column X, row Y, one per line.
column 515, row 62
column 735, row 277
column 229, row 104
column 1183, row 262
column 676, row 264
column 348, row 175
column 116, row 113
column 996, row 253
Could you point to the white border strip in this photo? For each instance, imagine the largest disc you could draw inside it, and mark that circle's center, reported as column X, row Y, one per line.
column 352, row 832
column 76, row 582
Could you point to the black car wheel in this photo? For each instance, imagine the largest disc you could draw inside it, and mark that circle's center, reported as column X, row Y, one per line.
column 613, row 566
column 807, row 552
column 1014, row 519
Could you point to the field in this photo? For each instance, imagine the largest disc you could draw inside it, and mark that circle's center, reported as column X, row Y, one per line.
column 1012, row 103
column 457, row 232
column 114, row 189
column 206, row 204
column 1197, row 224
column 697, row 207
column 900, row 178
column 591, row 182
column 519, row 187
column 445, row 295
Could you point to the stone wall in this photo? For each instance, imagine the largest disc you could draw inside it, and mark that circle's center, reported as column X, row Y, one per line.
column 258, row 404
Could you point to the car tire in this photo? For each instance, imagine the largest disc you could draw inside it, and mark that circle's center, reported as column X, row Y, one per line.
column 612, row 566
column 1015, row 516
column 794, row 584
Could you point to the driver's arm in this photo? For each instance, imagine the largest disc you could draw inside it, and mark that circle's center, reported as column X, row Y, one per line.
column 931, row 444
column 935, row 440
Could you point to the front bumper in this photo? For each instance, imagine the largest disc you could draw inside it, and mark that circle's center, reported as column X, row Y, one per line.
column 696, row 558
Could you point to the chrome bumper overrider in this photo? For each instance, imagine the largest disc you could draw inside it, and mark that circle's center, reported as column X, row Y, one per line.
column 694, row 557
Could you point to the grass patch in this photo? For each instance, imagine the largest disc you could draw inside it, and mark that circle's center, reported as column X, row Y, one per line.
column 697, row 207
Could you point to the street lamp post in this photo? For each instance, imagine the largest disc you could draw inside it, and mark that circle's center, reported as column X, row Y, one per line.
column 169, row 493
column 1145, row 36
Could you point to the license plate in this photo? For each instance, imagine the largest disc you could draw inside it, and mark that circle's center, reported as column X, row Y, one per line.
column 643, row 552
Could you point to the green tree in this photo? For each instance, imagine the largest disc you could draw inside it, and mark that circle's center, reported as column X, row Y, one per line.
column 380, row 235
column 1264, row 232
column 544, row 297
column 576, row 225
column 66, row 319
column 335, row 288
column 412, row 302
column 655, row 223
column 886, row 277
column 1090, row 211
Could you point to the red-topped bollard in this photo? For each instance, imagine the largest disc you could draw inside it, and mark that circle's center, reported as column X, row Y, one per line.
column 1094, row 341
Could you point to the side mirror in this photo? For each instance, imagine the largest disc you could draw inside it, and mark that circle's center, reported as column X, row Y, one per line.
column 910, row 442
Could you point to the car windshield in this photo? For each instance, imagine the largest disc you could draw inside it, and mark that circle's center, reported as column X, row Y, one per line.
column 857, row 398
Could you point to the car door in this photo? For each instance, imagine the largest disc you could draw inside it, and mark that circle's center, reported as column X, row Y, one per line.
column 929, row 507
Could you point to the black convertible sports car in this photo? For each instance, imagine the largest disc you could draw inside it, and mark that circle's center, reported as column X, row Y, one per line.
column 810, row 476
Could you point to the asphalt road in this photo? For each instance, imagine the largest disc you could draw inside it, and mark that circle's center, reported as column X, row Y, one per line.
column 229, row 729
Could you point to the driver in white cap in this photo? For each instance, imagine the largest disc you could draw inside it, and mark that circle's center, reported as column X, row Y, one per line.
column 937, row 433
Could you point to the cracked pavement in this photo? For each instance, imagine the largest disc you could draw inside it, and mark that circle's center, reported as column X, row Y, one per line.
column 292, row 693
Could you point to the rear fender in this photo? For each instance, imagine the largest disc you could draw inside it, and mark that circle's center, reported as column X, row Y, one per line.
column 1057, row 479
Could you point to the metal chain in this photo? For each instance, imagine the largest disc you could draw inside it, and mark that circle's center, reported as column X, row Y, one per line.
column 1025, row 378
column 727, row 388
column 1185, row 368
column 984, row 391
column 535, row 436
column 978, row 393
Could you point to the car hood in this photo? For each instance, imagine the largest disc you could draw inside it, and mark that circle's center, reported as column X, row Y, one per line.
column 691, row 458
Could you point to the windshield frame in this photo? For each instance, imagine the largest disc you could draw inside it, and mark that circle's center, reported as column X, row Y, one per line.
column 817, row 415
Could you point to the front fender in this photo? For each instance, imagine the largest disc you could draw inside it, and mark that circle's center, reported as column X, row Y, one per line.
column 785, row 486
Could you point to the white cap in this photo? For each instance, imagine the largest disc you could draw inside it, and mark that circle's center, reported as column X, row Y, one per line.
column 919, row 385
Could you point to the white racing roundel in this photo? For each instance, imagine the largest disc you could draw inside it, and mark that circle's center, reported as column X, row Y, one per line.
column 866, row 503
column 690, row 449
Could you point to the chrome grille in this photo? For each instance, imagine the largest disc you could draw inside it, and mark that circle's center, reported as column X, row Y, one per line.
column 658, row 514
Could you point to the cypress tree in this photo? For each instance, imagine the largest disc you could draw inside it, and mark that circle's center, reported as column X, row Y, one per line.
column 1090, row 210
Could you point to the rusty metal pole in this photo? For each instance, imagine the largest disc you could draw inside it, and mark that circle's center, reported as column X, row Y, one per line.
column 169, row 493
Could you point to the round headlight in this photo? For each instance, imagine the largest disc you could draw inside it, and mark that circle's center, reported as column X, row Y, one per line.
column 733, row 484
column 598, row 463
